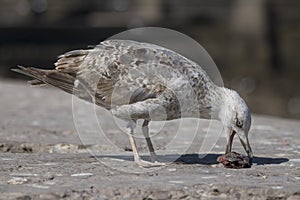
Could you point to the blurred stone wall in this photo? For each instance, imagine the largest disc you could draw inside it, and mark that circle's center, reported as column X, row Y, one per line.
column 254, row 43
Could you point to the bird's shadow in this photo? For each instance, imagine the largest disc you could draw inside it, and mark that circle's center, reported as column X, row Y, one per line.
column 207, row 159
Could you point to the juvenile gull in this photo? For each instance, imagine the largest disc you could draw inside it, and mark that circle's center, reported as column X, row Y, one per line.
column 144, row 81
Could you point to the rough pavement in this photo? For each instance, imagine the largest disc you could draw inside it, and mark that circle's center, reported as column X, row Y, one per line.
column 42, row 156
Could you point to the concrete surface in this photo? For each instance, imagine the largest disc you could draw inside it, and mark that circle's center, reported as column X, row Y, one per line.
column 42, row 156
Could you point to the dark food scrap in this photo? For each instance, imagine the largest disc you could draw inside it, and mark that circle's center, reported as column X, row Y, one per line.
column 234, row 160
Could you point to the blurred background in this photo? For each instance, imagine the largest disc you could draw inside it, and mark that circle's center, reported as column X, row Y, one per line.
column 255, row 44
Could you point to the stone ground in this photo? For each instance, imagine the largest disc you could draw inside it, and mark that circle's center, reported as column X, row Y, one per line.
column 50, row 149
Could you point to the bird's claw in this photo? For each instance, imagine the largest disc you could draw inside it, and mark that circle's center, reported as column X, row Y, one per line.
column 147, row 164
column 153, row 157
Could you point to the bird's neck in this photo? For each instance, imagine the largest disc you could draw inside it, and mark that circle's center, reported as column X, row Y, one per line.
column 217, row 102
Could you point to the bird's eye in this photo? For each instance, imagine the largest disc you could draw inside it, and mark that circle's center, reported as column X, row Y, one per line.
column 239, row 123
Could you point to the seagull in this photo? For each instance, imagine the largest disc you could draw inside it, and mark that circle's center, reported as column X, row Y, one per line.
column 136, row 80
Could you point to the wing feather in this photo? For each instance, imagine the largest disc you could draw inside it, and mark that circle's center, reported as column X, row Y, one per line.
column 116, row 72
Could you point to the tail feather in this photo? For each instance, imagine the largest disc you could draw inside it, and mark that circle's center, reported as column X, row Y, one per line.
column 58, row 79
column 36, row 82
column 63, row 81
column 63, row 76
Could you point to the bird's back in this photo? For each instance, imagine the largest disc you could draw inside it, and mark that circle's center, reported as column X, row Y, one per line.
column 119, row 72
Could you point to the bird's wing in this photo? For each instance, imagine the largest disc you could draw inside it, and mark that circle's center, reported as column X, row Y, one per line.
column 70, row 62
column 123, row 73
column 164, row 62
column 118, row 72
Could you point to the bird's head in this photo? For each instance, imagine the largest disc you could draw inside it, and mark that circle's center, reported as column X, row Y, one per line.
column 236, row 119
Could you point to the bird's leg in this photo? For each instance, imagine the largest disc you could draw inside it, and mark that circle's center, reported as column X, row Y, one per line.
column 145, row 130
column 137, row 159
column 130, row 128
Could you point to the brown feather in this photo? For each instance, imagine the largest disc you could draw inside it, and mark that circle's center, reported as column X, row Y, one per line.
column 52, row 77
column 71, row 61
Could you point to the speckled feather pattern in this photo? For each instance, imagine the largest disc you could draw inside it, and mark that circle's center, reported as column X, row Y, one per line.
column 136, row 80
column 144, row 81
column 122, row 72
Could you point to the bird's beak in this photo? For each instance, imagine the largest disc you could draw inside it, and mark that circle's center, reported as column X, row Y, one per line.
column 230, row 137
column 245, row 142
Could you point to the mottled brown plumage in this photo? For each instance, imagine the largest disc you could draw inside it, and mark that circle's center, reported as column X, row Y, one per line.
column 145, row 81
